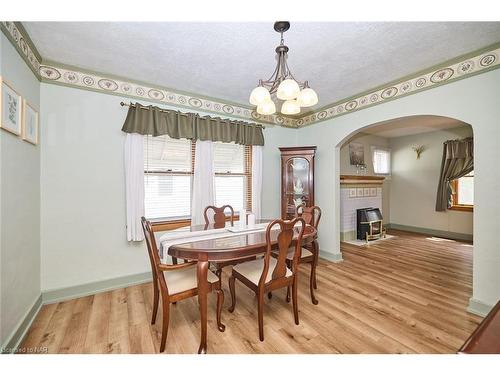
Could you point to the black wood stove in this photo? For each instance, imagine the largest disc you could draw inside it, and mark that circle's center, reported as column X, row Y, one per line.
column 369, row 224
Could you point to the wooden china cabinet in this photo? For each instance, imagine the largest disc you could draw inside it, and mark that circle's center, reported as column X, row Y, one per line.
column 297, row 179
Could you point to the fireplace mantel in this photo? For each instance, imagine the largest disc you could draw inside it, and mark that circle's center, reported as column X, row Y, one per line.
column 361, row 179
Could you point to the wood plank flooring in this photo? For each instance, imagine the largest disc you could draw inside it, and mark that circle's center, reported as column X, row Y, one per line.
column 407, row 294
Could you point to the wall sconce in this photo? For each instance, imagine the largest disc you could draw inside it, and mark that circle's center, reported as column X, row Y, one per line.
column 418, row 150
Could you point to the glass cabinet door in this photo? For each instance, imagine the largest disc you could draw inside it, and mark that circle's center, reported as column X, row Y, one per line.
column 297, row 182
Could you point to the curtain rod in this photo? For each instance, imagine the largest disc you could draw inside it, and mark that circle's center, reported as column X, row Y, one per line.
column 123, row 104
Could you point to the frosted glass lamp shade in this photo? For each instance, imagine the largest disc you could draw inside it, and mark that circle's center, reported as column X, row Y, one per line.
column 288, row 89
column 259, row 95
column 266, row 108
column 290, row 107
column 307, row 97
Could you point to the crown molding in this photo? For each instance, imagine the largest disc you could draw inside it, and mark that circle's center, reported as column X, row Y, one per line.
column 461, row 67
column 17, row 35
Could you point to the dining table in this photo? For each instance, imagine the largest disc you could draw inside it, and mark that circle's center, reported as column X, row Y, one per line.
column 207, row 244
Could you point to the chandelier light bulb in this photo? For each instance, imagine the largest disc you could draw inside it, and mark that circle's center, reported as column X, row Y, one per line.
column 307, row 97
column 266, row 108
column 290, row 107
column 259, row 95
column 288, row 89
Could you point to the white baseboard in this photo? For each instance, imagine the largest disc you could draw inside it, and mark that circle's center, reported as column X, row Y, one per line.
column 332, row 257
column 432, row 232
column 17, row 336
column 478, row 308
column 64, row 294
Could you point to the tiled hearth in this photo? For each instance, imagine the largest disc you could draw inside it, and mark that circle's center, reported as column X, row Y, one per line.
column 357, row 192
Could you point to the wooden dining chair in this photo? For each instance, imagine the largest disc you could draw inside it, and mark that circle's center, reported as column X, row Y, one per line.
column 264, row 275
column 310, row 252
column 175, row 282
column 218, row 219
column 218, row 216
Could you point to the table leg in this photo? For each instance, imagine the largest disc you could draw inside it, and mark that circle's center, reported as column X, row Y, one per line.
column 202, row 270
column 312, row 277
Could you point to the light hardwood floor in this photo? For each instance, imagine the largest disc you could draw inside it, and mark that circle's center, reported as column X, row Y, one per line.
column 407, row 294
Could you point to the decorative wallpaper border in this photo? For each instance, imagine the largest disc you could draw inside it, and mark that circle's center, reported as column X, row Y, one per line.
column 23, row 43
column 97, row 82
column 461, row 68
column 458, row 68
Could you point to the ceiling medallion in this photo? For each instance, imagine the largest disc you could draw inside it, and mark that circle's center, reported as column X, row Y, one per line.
column 294, row 94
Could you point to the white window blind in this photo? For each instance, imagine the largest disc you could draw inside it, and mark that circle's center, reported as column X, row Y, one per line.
column 167, row 177
column 231, row 175
column 168, row 173
column 229, row 158
column 381, row 161
column 162, row 154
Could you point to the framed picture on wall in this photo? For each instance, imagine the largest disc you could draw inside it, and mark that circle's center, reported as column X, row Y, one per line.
column 356, row 153
column 10, row 109
column 30, row 123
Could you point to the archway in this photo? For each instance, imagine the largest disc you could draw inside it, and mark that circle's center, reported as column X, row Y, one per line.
column 454, row 101
column 399, row 134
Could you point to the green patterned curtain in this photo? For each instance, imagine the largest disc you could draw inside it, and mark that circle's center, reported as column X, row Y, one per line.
column 458, row 160
column 156, row 121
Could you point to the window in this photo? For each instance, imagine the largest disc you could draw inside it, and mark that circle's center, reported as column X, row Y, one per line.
column 168, row 173
column 233, row 170
column 381, row 161
column 168, row 170
column 462, row 195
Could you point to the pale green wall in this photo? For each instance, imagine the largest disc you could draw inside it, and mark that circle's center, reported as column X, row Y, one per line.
column 474, row 101
column 414, row 182
column 83, row 189
column 20, row 204
column 367, row 140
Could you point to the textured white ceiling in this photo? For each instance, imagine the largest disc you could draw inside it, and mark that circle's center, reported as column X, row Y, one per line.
column 226, row 60
column 412, row 125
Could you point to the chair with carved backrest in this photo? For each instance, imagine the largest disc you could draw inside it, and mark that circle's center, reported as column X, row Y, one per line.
column 310, row 252
column 219, row 219
column 219, row 216
column 175, row 282
column 266, row 274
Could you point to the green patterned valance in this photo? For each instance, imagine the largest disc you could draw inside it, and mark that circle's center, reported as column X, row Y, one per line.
column 156, row 121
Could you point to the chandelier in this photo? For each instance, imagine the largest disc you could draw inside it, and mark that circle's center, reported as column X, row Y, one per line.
column 294, row 94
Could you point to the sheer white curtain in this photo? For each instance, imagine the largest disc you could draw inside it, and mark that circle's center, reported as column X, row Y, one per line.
column 257, row 181
column 203, row 181
column 134, row 185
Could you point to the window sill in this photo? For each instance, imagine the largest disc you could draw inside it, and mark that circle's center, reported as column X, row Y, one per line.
column 163, row 225
column 462, row 208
